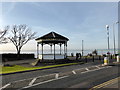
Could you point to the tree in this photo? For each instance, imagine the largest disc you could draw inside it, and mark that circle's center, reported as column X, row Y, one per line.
column 3, row 39
column 21, row 34
column 95, row 52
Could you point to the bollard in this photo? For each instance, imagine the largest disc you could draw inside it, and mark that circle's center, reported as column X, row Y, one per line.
column 118, row 58
column 100, row 58
column 93, row 58
column 106, row 61
column 86, row 59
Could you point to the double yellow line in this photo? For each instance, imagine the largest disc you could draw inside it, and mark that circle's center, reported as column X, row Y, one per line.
column 105, row 83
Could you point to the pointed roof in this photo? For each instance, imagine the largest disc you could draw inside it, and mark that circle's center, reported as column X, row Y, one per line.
column 52, row 35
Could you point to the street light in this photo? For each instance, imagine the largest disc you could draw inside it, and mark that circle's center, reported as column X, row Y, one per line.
column 114, row 36
column 107, row 28
column 82, row 47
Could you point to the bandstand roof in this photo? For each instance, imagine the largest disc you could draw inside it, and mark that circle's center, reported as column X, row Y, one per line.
column 52, row 37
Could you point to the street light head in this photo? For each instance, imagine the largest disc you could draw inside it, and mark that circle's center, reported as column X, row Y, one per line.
column 107, row 26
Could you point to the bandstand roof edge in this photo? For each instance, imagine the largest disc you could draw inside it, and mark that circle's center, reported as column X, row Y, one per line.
column 52, row 37
column 52, row 42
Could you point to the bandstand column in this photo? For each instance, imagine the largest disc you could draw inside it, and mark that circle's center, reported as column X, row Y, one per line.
column 60, row 48
column 64, row 50
column 51, row 48
column 54, row 51
column 42, row 50
column 38, row 50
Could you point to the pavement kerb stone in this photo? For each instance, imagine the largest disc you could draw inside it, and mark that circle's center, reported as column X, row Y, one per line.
column 60, row 65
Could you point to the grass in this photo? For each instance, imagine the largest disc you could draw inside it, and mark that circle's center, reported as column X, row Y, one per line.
column 18, row 68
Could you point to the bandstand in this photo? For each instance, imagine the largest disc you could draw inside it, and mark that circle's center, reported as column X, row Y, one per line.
column 52, row 39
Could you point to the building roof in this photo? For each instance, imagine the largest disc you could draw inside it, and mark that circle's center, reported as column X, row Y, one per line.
column 52, row 35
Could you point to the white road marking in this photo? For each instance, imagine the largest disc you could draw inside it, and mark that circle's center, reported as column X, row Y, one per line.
column 56, row 76
column 73, row 72
column 34, row 77
column 87, row 69
column 43, row 82
column 95, row 69
column 32, row 81
column 5, row 86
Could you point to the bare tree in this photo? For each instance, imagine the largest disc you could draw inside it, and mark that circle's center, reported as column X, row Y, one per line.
column 21, row 34
column 3, row 39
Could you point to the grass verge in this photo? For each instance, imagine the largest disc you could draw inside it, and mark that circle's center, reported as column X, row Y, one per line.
column 18, row 68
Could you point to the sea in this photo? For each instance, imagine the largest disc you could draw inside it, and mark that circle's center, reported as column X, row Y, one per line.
column 85, row 52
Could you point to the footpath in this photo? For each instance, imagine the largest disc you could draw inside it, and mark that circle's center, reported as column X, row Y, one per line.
column 19, row 62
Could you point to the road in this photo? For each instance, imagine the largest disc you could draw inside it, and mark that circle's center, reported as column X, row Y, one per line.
column 114, row 83
column 19, row 76
column 87, row 79
column 82, row 80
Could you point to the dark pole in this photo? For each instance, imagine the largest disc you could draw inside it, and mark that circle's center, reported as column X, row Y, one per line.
column 38, row 50
column 114, row 37
column 107, row 27
column 82, row 47
column 93, row 58
column 86, row 59
column 54, row 51
column 66, row 49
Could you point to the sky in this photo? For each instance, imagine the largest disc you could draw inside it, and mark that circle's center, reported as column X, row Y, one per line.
column 76, row 20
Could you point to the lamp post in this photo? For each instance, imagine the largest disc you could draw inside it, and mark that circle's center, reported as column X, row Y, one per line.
column 82, row 47
column 107, row 28
column 114, row 36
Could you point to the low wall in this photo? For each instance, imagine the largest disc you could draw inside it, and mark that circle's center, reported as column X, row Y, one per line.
column 12, row 57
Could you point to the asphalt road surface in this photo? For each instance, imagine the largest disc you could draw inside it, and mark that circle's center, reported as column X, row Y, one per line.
column 79, row 80
column 114, row 83
column 82, row 80
column 19, row 76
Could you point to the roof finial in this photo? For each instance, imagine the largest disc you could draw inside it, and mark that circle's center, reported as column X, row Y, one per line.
column 53, row 34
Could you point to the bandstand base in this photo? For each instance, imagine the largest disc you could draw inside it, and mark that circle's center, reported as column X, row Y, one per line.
column 51, row 56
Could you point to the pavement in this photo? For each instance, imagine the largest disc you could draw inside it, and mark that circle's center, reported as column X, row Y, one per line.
column 20, row 62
